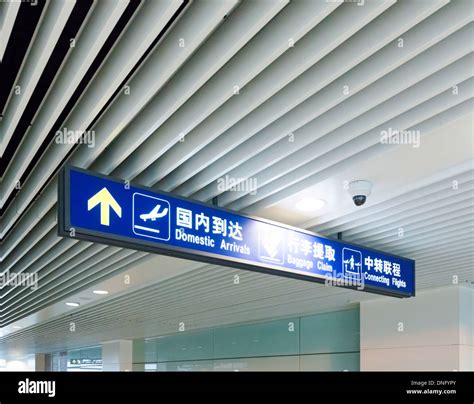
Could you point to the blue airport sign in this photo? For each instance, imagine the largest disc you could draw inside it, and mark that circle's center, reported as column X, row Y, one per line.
column 102, row 209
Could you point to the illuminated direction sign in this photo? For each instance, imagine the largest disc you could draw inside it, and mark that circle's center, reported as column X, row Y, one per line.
column 107, row 210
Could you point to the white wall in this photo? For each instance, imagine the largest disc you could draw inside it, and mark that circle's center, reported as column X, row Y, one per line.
column 466, row 357
column 432, row 331
column 117, row 355
column 20, row 365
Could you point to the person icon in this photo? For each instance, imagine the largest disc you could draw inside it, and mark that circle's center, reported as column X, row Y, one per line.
column 351, row 263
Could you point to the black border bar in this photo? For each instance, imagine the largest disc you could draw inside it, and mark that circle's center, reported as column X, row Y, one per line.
column 243, row 387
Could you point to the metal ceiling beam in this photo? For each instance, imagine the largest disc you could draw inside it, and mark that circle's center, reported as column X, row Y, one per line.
column 333, row 134
column 56, row 15
column 389, row 235
column 434, row 183
column 10, row 11
column 229, row 150
column 403, row 214
column 316, row 44
column 240, row 27
column 347, row 156
column 293, row 22
column 168, row 52
column 87, row 45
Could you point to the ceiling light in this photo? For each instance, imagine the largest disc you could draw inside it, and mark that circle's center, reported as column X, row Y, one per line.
column 72, row 304
column 101, row 292
column 310, row 204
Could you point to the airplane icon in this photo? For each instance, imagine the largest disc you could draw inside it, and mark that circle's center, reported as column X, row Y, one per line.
column 146, row 210
column 153, row 214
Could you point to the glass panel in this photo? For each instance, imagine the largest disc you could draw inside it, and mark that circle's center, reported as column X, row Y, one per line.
column 270, row 345
column 150, row 350
column 185, row 346
column 330, row 332
column 330, row 362
column 276, row 363
column 279, row 337
column 191, row 366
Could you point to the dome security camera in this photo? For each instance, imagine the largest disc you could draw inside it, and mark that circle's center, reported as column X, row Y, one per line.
column 359, row 191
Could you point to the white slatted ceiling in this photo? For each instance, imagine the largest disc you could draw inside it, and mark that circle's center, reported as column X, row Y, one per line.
column 282, row 90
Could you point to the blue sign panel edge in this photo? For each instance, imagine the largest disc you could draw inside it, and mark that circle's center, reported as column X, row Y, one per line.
column 64, row 227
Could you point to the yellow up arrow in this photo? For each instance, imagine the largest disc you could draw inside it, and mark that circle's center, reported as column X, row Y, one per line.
column 106, row 201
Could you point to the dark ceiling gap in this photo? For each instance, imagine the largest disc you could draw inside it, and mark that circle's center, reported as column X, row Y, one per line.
column 75, row 21
column 119, row 90
column 58, row 55
column 17, row 47
column 113, row 37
